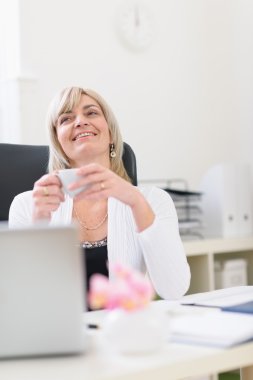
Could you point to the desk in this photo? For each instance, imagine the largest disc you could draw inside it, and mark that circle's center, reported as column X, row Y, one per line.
column 174, row 361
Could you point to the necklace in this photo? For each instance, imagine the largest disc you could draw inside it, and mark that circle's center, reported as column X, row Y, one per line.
column 82, row 224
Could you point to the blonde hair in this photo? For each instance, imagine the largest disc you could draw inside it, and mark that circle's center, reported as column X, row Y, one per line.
column 64, row 102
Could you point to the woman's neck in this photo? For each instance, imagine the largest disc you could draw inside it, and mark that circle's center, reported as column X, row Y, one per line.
column 105, row 162
column 91, row 213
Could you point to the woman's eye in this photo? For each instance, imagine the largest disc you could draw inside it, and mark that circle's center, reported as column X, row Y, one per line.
column 65, row 120
column 92, row 112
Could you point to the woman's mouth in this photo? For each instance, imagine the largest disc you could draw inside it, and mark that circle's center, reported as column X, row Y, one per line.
column 83, row 134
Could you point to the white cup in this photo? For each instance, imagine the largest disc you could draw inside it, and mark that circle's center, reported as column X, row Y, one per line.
column 68, row 176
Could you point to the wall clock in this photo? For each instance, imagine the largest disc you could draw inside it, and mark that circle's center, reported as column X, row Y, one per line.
column 135, row 25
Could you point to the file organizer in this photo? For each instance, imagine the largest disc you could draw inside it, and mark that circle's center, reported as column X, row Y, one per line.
column 187, row 203
column 188, row 207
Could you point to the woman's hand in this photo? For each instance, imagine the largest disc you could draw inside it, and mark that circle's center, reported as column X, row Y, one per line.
column 47, row 196
column 103, row 183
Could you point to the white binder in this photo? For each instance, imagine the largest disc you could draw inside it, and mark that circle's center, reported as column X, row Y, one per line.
column 227, row 204
column 244, row 199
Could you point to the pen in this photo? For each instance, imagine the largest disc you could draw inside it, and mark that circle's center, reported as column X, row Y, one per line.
column 92, row 326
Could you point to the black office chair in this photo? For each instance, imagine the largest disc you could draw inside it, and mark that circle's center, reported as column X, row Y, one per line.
column 22, row 165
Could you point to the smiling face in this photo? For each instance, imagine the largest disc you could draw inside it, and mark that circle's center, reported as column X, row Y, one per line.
column 83, row 133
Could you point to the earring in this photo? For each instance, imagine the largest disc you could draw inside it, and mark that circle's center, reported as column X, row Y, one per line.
column 112, row 151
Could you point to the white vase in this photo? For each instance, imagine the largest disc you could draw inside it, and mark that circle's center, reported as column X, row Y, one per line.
column 136, row 332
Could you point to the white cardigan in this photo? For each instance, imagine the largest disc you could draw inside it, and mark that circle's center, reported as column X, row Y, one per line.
column 157, row 250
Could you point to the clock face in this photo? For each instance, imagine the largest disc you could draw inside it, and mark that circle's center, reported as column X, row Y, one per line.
column 135, row 25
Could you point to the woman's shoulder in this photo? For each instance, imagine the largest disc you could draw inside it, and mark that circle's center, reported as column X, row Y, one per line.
column 25, row 197
column 22, row 201
column 158, row 198
column 154, row 192
column 20, row 213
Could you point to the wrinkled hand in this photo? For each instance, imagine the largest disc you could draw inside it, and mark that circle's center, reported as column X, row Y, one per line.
column 47, row 196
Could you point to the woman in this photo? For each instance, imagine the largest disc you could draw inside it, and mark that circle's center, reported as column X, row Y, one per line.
column 118, row 222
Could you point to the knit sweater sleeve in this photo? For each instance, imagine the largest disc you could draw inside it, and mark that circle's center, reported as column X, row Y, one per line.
column 162, row 248
column 21, row 210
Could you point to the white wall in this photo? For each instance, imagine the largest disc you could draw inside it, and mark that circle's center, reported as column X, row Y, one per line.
column 184, row 104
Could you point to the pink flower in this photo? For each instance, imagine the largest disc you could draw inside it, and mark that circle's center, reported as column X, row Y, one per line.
column 99, row 294
column 128, row 289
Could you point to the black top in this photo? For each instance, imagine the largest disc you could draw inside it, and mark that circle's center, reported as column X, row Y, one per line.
column 95, row 260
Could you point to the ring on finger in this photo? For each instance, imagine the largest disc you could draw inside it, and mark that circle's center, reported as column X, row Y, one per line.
column 102, row 186
column 46, row 192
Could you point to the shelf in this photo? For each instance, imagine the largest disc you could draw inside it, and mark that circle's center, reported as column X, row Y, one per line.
column 201, row 255
column 196, row 247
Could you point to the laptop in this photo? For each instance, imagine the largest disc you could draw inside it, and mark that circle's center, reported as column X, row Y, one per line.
column 42, row 292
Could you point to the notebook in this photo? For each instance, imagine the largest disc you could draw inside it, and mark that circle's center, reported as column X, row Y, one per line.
column 246, row 307
column 212, row 328
column 42, row 292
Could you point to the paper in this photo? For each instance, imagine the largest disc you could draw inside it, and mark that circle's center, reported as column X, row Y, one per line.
column 220, row 298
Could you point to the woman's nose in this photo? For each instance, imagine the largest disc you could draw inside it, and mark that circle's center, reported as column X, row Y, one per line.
column 81, row 120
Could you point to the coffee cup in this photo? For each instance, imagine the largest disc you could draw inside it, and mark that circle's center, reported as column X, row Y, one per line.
column 67, row 177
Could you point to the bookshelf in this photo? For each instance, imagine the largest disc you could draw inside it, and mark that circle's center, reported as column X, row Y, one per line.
column 201, row 255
